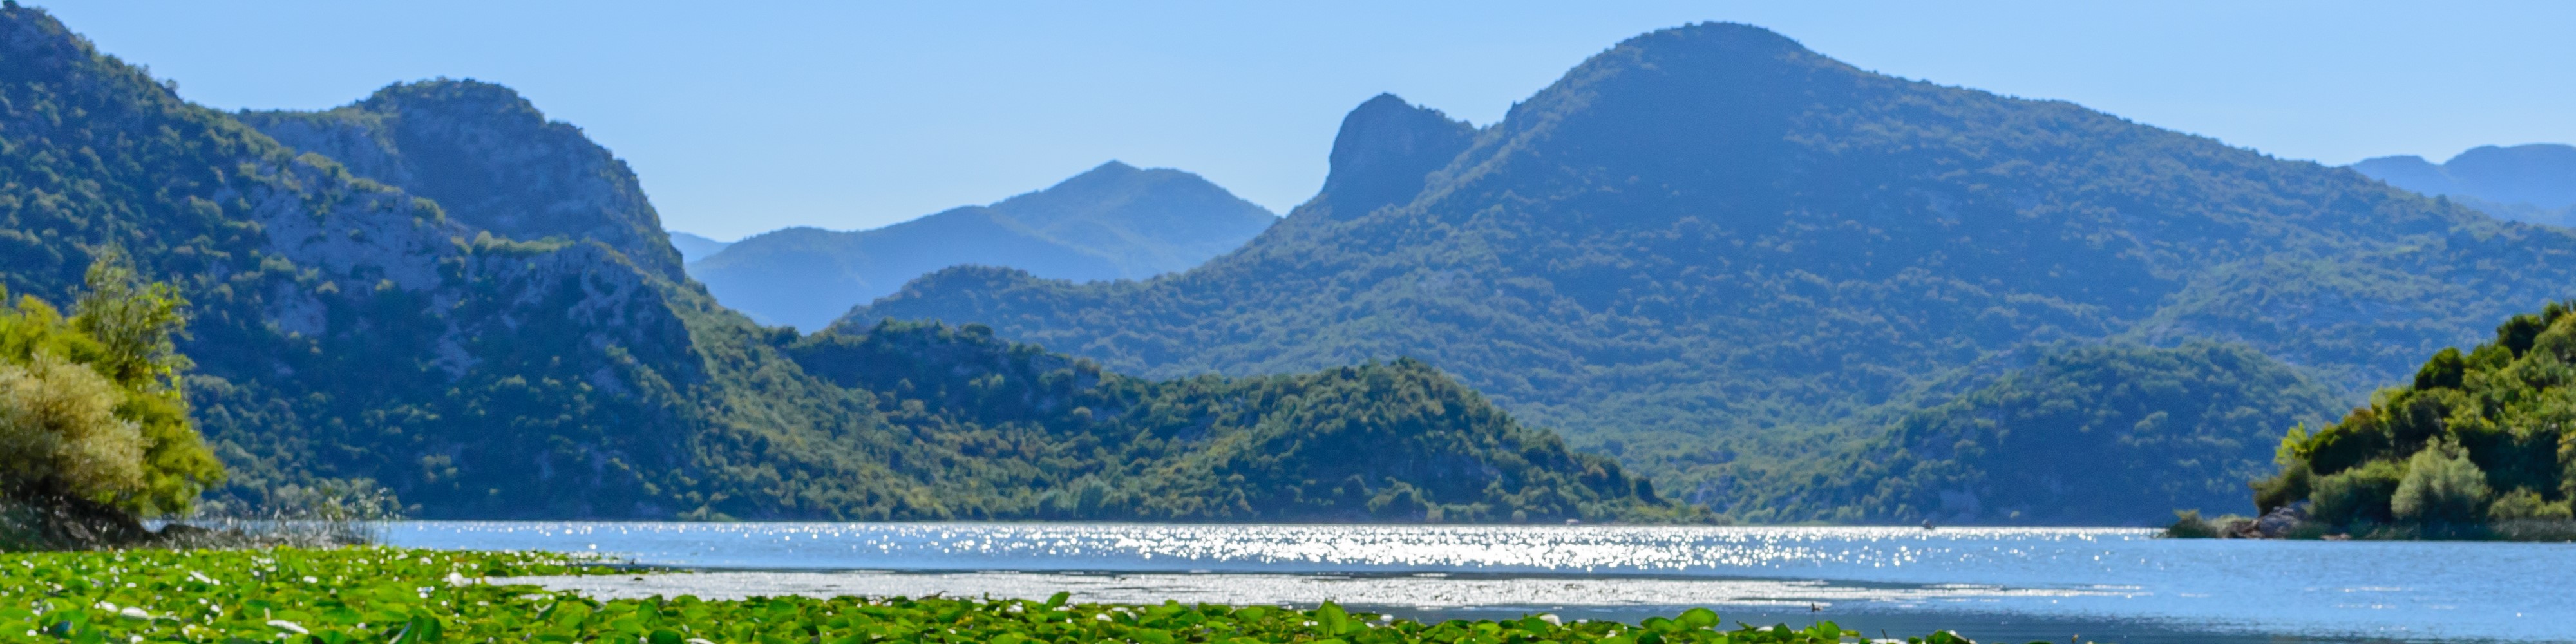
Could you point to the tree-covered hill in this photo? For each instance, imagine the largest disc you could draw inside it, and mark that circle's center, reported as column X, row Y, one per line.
column 1029, row 434
column 1721, row 251
column 346, row 326
column 2084, row 435
column 1113, row 222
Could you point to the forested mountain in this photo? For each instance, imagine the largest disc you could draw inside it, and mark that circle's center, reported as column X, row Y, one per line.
column 346, row 325
column 1727, row 255
column 1112, row 222
column 2534, row 182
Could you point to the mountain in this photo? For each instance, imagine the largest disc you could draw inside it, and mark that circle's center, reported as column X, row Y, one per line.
column 1112, row 222
column 2534, row 183
column 1727, row 259
column 693, row 248
column 490, row 160
column 347, row 325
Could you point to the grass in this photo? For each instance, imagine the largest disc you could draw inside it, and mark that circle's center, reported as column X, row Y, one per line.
column 376, row 594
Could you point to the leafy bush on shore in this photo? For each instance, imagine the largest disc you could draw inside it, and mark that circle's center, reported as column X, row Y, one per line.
column 93, row 430
column 383, row 594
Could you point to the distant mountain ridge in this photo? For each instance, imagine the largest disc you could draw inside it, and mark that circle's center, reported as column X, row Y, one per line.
column 1723, row 257
column 695, row 247
column 1112, row 222
column 2534, row 182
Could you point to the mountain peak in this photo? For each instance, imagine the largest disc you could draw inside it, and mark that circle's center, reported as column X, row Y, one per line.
column 1734, row 37
column 490, row 159
column 1385, row 148
column 451, row 93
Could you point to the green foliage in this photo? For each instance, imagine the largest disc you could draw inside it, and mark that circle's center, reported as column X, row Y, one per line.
column 90, row 406
column 2188, row 525
column 2526, row 504
column 379, row 594
column 2441, row 487
column 1716, row 255
column 2358, row 496
column 2494, row 423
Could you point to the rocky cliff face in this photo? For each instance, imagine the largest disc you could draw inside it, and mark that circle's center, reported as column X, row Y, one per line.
column 490, row 159
column 1384, row 152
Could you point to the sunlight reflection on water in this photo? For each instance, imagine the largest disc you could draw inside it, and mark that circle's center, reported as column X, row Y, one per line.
column 2102, row 580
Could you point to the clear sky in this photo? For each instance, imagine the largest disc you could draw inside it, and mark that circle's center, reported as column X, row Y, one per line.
column 744, row 117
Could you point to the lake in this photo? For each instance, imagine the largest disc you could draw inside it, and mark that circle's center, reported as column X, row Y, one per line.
column 1991, row 584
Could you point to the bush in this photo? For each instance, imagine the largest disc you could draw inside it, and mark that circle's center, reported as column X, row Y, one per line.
column 93, row 431
column 2525, row 504
column 2441, row 487
column 59, row 432
column 2358, row 495
column 2188, row 525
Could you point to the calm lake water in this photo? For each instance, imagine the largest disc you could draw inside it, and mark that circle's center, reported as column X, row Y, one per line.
column 1992, row 584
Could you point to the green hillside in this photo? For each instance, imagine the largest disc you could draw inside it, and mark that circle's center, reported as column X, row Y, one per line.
column 1026, row 434
column 1723, row 252
column 2482, row 439
column 346, row 326
column 2084, row 435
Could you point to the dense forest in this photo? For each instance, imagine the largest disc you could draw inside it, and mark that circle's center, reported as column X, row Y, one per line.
column 2482, row 440
column 1712, row 251
column 533, row 351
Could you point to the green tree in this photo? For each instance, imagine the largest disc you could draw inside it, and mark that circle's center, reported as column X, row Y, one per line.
column 90, row 406
column 2441, row 487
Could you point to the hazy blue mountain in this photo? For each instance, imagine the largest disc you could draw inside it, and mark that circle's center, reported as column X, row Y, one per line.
column 490, row 159
column 693, row 247
column 1739, row 265
column 1112, row 222
column 2534, row 182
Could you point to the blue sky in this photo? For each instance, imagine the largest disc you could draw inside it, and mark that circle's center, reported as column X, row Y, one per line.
column 745, row 117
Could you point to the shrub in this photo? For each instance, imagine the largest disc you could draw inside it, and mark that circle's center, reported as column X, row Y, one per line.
column 2525, row 504
column 90, row 411
column 2358, row 495
column 2188, row 525
column 59, row 431
column 2441, row 487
